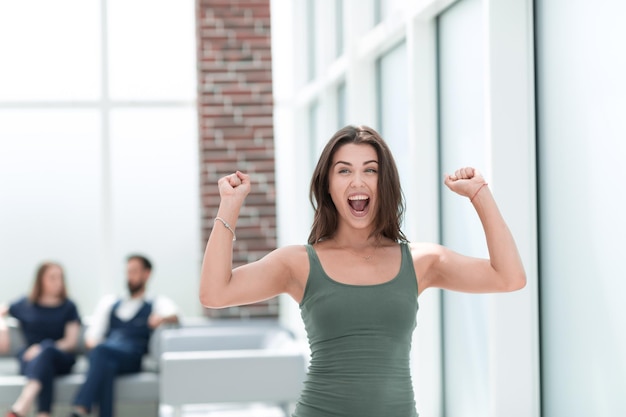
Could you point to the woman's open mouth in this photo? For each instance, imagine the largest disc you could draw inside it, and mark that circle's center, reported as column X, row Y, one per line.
column 359, row 204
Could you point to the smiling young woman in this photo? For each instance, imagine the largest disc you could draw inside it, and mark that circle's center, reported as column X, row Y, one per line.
column 358, row 279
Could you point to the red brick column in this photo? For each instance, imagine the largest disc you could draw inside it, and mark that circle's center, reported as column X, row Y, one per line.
column 236, row 126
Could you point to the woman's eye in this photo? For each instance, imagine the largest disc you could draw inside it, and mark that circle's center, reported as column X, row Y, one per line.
column 371, row 170
column 343, row 171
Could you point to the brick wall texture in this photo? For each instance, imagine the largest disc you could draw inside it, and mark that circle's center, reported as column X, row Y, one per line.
column 236, row 127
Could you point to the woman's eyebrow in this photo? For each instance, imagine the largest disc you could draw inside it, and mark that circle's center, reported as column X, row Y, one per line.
column 342, row 162
column 349, row 164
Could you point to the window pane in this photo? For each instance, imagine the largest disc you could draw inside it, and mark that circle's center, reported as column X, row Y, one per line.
column 50, row 187
column 311, row 43
column 152, row 49
column 393, row 106
column 463, row 143
column 340, row 32
column 582, row 153
column 314, row 134
column 341, row 105
column 154, row 176
column 384, row 8
column 50, row 50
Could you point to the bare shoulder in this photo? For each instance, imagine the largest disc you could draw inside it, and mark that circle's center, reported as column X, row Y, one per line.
column 294, row 257
column 287, row 253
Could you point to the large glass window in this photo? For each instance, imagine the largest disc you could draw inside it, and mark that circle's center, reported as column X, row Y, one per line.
column 50, row 171
column 98, row 144
column 462, row 143
column 392, row 78
column 582, row 153
column 150, row 50
column 154, row 178
column 50, row 50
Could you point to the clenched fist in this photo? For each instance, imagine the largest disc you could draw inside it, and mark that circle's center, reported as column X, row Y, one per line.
column 235, row 185
column 465, row 181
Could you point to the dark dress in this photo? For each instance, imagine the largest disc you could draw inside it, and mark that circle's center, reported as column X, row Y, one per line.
column 44, row 325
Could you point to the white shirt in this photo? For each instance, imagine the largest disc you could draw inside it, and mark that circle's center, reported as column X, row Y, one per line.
column 128, row 308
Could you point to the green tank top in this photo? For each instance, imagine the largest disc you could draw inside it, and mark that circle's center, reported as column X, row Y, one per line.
column 360, row 339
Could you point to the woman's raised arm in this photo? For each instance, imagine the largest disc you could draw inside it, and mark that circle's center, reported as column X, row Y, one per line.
column 220, row 285
column 503, row 271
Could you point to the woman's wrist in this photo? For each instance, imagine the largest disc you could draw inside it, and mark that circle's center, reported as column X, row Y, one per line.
column 229, row 210
column 227, row 225
column 478, row 190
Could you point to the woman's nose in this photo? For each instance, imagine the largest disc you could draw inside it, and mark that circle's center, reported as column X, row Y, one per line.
column 356, row 180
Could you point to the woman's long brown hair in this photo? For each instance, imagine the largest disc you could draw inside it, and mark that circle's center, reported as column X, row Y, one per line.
column 390, row 209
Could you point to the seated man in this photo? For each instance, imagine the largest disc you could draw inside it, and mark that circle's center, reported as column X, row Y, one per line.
column 119, row 336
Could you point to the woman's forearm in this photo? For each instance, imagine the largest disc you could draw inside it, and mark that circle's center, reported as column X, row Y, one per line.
column 69, row 342
column 218, row 255
column 503, row 252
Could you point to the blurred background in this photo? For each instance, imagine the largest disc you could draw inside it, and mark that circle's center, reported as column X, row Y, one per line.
column 117, row 117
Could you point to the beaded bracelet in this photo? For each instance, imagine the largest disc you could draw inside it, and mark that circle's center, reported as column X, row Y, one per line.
column 477, row 191
column 225, row 223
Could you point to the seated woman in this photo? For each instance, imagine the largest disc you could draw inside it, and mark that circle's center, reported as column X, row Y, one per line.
column 50, row 324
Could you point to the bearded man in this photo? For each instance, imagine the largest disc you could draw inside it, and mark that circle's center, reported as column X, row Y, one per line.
column 118, row 337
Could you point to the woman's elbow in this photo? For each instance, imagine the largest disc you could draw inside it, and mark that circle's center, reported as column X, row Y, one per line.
column 516, row 282
column 209, row 300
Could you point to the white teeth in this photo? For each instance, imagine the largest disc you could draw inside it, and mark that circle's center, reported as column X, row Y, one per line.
column 358, row 197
